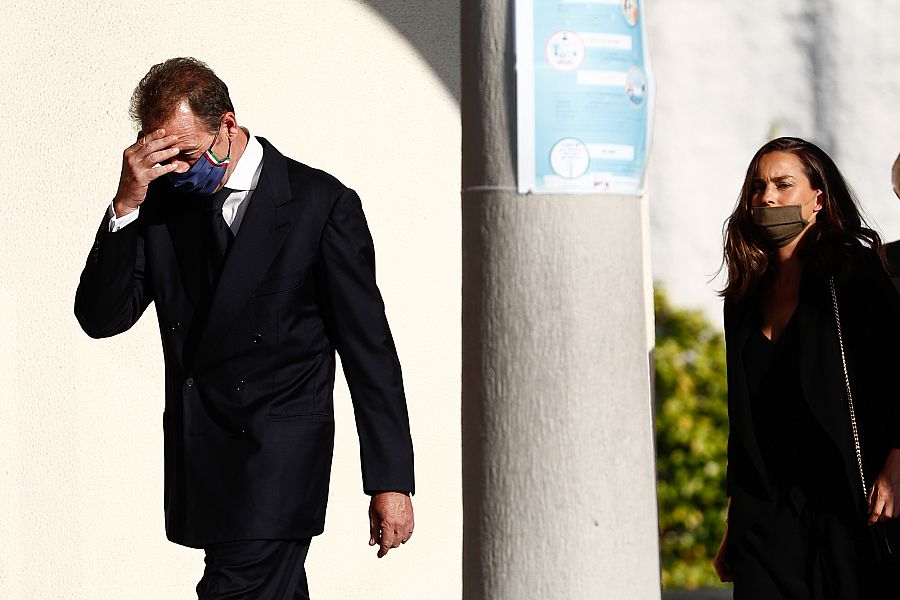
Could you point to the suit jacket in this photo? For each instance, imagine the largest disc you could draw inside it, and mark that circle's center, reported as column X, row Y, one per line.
column 250, row 364
column 892, row 251
column 870, row 320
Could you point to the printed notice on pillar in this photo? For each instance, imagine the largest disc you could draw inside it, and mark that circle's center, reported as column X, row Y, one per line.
column 585, row 96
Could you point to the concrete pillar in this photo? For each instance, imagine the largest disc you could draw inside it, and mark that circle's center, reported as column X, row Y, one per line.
column 559, row 495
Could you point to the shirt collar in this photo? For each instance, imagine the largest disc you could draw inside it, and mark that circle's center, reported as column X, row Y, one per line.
column 246, row 171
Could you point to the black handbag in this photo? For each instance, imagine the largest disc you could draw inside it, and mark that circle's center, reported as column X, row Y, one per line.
column 885, row 534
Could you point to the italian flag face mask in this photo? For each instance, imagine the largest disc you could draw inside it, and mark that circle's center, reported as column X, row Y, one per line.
column 205, row 174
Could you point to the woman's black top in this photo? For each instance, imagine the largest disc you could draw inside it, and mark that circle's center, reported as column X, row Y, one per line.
column 795, row 449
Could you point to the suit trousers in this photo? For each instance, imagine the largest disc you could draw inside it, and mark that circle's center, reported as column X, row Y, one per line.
column 255, row 570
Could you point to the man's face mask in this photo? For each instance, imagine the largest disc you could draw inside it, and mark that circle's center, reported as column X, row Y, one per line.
column 780, row 224
column 205, row 174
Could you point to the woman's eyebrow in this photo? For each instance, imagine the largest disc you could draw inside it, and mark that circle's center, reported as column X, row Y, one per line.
column 776, row 179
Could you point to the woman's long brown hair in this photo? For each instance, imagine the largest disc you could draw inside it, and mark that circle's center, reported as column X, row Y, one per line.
column 748, row 256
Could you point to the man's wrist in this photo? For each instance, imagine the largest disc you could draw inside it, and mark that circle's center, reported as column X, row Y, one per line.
column 117, row 221
column 121, row 209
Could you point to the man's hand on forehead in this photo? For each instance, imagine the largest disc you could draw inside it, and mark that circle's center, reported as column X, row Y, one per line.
column 164, row 143
column 157, row 144
column 143, row 162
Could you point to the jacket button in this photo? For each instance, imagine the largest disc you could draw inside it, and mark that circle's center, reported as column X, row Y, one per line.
column 189, row 382
column 176, row 326
column 256, row 338
column 239, row 385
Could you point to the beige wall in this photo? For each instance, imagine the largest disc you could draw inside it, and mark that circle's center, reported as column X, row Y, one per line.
column 330, row 84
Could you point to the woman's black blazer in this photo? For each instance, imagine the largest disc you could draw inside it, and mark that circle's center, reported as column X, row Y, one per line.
column 870, row 318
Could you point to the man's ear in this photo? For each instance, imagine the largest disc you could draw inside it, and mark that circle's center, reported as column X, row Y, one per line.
column 230, row 123
column 895, row 176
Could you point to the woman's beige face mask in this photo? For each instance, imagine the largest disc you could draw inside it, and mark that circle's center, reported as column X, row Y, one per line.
column 780, row 224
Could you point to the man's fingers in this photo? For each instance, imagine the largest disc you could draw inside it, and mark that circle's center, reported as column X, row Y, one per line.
column 160, row 170
column 878, row 508
column 145, row 138
column 156, row 144
column 389, row 539
column 373, row 529
column 140, row 160
column 181, row 166
column 406, row 535
column 887, row 511
column 151, row 142
column 160, row 155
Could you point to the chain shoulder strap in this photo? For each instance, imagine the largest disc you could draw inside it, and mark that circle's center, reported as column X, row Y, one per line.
column 837, row 322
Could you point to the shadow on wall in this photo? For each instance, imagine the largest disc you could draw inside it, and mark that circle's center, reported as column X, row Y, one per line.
column 432, row 27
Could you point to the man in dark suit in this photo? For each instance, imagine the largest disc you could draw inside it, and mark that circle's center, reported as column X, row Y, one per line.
column 892, row 250
column 261, row 268
column 895, row 176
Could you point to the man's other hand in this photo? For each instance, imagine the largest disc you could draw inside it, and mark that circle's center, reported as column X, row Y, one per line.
column 141, row 164
column 391, row 520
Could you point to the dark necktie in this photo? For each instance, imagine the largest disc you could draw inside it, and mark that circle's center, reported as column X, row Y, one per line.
column 220, row 234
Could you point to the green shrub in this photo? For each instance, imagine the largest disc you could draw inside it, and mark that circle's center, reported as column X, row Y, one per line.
column 691, row 440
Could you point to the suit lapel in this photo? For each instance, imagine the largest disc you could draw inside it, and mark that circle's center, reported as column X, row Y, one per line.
column 744, row 328
column 266, row 223
column 821, row 372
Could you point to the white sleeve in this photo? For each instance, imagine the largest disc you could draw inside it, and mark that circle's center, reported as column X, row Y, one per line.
column 117, row 223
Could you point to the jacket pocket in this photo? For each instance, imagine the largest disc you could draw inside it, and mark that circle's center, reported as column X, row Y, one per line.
column 313, row 416
column 281, row 283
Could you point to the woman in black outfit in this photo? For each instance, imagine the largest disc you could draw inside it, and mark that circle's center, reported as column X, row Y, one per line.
column 797, row 515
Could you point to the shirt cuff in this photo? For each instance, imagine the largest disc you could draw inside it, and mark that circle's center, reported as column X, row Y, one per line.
column 117, row 223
